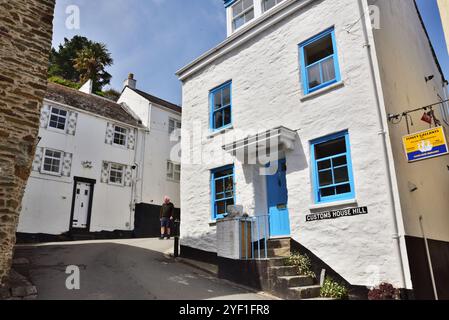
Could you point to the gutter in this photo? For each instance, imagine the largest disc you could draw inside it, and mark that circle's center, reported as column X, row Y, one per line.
column 443, row 79
column 251, row 30
column 399, row 235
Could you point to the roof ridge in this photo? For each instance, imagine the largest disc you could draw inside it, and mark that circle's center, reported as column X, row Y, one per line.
column 150, row 94
column 92, row 95
column 90, row 103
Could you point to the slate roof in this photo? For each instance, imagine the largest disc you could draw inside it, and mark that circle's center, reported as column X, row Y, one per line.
column 89, row 102
column 157, row 100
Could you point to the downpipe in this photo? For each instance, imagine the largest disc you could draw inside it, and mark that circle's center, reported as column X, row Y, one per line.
column 429, row 259
column 383, row 133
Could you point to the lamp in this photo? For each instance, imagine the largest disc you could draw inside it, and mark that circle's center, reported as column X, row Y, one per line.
column 87, row 164
column 428, row 78
column 412, row 187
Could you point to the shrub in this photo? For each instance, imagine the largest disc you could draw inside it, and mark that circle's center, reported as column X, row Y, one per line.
column 334, row 290
column 64, row 82
column 302, row 262
column 385, row 291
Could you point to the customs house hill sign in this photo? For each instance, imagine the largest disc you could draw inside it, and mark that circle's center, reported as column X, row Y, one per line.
column 336, row 214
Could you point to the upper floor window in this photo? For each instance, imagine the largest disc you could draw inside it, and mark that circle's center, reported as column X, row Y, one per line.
column 319, row 61
column 173, row 124
column 116, row 173
column 242, row 12
column 222, row 185
column 120, row 135
column 221, row 107
column 52, row 163
column 332, row 168
column 268, row 4
column 58, row 118
column 173, row 171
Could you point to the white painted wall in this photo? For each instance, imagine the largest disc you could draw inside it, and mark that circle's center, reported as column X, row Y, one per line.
column 159, row 149
column 267, row 93
column 157, row 146
column 137, row 103
column 48, row 199
column 406, row 59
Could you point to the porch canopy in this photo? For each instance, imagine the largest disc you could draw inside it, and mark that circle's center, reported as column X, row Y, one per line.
column 263, row 147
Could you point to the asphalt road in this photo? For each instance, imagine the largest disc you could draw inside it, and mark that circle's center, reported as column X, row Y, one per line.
column 122, row 270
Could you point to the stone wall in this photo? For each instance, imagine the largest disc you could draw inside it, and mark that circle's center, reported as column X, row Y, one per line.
column 25, row 40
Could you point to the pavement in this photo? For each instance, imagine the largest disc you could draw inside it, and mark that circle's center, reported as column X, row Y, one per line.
column 137, row 269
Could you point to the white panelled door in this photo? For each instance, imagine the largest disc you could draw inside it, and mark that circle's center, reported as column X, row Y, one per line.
column 81, row 207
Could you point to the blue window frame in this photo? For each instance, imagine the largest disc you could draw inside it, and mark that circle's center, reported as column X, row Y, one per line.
column 221, row 107
column 222, row 190
column 319, row 61
column 332, row 168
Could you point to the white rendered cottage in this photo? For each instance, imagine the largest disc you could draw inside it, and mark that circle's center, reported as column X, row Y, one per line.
column 99, row 171
column 314, row 81
column 84, row 175
column 160, row 146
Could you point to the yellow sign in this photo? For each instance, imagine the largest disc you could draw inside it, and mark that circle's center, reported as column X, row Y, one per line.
column 425, row 144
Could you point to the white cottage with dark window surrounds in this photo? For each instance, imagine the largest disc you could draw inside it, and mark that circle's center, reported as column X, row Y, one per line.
column 287, row 146
column 84, row 175
column 101, row 167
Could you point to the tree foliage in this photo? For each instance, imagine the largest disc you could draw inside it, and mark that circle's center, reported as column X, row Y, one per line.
column 110, row 94
column 64, row 82
column 80, row 59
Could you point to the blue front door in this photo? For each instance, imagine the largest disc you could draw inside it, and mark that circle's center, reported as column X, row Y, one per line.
column 278, row 202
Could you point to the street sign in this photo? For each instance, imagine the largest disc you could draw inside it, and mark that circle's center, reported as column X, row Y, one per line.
column 425, row 144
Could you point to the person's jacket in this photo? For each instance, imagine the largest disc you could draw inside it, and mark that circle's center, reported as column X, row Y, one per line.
column 167, row 210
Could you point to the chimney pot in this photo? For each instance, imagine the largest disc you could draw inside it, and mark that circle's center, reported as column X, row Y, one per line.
column 130, row 82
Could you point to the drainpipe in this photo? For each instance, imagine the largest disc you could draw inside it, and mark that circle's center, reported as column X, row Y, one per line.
column 429, row 259
column 135, row 179
column 146, row 132
column 386, row 153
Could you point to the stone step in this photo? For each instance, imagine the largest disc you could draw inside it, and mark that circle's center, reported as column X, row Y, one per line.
column 283, row 271
column 276, row 262
column 279, row 243
column 296, row 281
column 278, row 252
column 299, row 293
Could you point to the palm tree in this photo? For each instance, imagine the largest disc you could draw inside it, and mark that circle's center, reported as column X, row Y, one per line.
column 91, row 62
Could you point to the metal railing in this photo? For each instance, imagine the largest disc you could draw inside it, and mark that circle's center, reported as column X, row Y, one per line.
column 254, row 234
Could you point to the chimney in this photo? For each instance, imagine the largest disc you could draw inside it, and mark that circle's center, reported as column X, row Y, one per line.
column 130, row 82
column 87, row 87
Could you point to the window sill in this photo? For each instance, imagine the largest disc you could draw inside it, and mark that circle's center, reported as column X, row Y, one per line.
column 53, row 174
column 56, row 130
column 333, row 204
column 219, row 132
column 120, row 146
column 116, row 185
column 322, row 91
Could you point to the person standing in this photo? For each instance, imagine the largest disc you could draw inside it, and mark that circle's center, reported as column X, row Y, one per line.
column 166, row 217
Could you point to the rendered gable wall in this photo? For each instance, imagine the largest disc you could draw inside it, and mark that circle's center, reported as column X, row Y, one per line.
column 405, row 59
